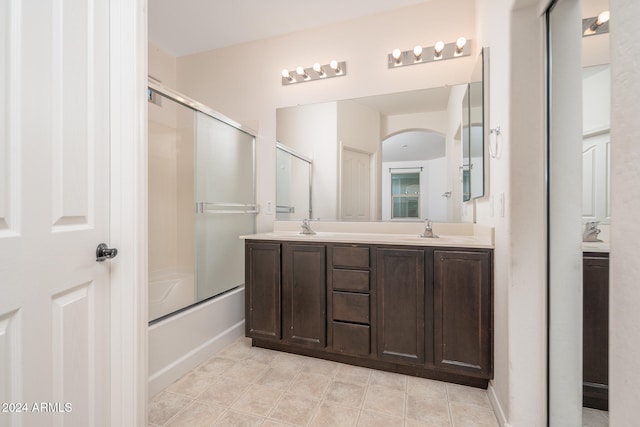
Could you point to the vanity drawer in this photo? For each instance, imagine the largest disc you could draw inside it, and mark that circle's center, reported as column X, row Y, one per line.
column 350, row 256
column 350, row 280
column 352, row 339
column 350, row 307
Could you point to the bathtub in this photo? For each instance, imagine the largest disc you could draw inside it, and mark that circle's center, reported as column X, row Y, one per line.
column 170, row 289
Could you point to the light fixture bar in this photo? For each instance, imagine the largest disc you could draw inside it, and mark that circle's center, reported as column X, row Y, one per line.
column 596, row 24
column 315, row 72
column 429, row 54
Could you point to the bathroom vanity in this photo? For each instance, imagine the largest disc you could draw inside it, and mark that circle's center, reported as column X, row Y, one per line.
column 595, row 331
column 385, row 300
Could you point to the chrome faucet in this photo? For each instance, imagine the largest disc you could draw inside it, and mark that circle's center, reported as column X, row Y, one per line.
column 306, row 227
column 591, row 232
column 428, row 230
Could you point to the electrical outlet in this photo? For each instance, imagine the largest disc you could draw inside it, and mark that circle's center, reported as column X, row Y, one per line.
column 269, row 208
column 502, row 205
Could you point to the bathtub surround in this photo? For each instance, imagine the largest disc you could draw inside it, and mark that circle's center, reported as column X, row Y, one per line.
column 181, row 342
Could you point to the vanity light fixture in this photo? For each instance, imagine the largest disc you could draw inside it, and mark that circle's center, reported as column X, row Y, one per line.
column 417, row 53
column 460, row 45
column 397, row 54
column 437, row 50
column 422, row 55
column 316, row 72
column 302, row 73
column 287, row 75
column 318, row 69
column 335, row 66
column 596, row 25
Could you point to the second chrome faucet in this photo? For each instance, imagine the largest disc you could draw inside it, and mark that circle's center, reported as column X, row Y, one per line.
column 306, row 227
column 428, row 229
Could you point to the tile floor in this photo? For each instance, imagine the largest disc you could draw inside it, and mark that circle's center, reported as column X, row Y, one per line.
column 250, row 386
column 594, row 418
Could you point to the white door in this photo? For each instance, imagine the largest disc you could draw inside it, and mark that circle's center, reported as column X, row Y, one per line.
column 54, row 211
column 596, row 155
column 355, row 186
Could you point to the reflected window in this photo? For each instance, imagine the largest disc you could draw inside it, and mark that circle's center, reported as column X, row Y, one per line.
column 405, row 195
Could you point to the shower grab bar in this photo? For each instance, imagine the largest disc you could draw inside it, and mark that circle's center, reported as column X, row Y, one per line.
column 214, row 208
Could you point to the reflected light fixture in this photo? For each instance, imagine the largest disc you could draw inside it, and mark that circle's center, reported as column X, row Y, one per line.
column 596, row 25
column 315, row 72
column 421, row 55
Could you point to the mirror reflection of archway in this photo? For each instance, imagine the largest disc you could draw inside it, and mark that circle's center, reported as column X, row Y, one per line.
column 413, row 164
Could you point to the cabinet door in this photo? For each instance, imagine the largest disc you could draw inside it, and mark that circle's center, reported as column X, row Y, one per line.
column 595, row 331
column 400, row 302
column 304, row 295
column 462, row 311
column 262, row 290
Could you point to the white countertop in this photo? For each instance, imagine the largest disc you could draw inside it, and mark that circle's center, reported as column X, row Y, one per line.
column 595, row 247
column 408, row 234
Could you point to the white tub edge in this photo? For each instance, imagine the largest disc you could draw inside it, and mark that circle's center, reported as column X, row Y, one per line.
column 211, row 326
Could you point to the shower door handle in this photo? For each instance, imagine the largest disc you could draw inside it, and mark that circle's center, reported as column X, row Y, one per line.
column 103, row 252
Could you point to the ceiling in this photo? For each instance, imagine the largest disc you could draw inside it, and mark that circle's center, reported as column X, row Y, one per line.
column 183, row 27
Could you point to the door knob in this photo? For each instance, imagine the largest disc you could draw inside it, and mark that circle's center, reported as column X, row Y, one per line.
column 103, row 252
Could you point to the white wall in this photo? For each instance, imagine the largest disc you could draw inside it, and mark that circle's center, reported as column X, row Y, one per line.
column 435, row 120
column 596, row 99
column 244, row 81
column 624, row 317
column 514, row 32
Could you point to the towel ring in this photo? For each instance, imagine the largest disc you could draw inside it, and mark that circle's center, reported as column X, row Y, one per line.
column 495, row 131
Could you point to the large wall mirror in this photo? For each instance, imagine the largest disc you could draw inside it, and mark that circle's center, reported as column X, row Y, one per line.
column 396, row 157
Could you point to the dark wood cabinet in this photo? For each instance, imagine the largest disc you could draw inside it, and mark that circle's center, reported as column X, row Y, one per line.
column 304, row 294
column 416, row 310
column 262, row 297
column 595, row 330
column 400, row 304
column 462, row 310
column 349, row 297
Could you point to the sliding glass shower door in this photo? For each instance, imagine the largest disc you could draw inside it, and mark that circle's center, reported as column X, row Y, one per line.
column 201, row 200
column 225, row 204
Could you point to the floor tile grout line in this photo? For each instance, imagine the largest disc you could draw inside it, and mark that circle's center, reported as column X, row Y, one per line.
column 239, row 355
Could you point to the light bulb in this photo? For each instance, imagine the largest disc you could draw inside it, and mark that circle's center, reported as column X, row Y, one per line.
column 439, row 47
column 300, row 71
column 285, row 74
column 317, row 68
column 334, row 65
column 396, row 54
column 417, row 51
column 602, row 18
column 460, row 43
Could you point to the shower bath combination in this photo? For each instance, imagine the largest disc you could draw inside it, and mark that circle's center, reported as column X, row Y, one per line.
column 201, row 198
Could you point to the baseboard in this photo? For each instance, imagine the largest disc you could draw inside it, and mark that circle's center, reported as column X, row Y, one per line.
column 495, row 404
column 178, row 345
